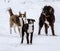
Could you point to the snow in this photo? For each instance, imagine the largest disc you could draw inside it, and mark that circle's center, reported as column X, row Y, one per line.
column 11, row 42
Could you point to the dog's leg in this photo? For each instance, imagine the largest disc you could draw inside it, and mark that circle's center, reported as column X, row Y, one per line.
column 19, row 31
column 40, row 27
column 31, row 37
column 11, row 25
column 27, row 37
column 39, row 30
column 52, row 29
column 22, row 37
column 10, row 30
column 14, row 28
column 46, row 28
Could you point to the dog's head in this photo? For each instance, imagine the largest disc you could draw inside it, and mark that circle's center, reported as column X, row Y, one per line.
column 30, row 25
column 48, row 10
column 22, row 15
column 31, row 21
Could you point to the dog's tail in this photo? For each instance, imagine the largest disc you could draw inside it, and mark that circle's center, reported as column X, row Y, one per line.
column 10, row 11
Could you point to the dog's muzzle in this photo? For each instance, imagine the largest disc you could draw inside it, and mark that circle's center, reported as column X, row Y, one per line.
column 45, row 15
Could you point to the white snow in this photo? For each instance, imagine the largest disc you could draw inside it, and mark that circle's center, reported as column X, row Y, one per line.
column 11, row 42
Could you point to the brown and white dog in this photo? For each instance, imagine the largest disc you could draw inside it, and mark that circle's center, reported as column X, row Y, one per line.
column 27, row 27
column 14, row 21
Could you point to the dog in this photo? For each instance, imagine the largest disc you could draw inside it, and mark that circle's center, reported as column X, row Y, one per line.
column 27, row 27
column 14, row 21
column 47, row 18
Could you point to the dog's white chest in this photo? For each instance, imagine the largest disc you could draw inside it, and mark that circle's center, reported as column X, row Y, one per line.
column 46, row 22
column 30, row 28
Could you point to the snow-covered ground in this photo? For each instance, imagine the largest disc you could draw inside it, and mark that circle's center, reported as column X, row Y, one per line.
column 11, row 42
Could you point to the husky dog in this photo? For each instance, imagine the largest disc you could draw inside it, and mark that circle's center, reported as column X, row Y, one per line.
column 14, row 21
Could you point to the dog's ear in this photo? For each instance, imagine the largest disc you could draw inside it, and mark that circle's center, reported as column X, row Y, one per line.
column 50, row 10
column 33, row 20
column 24, row 14
column 28, row 20
column 19, row 14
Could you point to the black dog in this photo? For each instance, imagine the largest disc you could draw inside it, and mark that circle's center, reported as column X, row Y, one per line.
column 28, row 28
column 47, row 16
